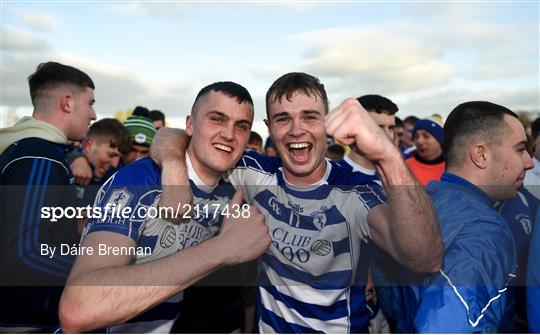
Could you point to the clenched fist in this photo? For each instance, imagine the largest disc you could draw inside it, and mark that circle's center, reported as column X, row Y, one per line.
column 350, row 124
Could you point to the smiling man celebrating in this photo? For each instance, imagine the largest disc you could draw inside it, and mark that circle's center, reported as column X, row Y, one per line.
column 319, row 214
column 110, row 290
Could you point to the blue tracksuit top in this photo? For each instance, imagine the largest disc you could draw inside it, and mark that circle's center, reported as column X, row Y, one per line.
column 469, row 294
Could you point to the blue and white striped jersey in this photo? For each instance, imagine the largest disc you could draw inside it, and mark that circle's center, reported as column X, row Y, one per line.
column 313, row 274
column 137, row 186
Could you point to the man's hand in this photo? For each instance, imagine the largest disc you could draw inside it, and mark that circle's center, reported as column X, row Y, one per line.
column 82, row 171
column 246, row 237
column 169, row 144
column 350, row 124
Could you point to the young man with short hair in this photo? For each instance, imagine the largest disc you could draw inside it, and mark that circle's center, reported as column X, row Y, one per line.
column 35, row 176
column 486, row 160
column 102, row 148
column 111, row 290
column 383, row 112
column 319, row 214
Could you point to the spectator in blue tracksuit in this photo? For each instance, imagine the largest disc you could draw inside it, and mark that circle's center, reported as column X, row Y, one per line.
column 35, row 175
column 485, row 147
column 533, row 282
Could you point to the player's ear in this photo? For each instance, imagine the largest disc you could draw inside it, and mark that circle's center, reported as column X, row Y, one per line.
column 480, row 155
column 66, row 103
column 87, row 145
column 189, row 125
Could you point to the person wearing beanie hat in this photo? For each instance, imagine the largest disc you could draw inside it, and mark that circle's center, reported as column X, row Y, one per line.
column 427, row 163
column 433, row 125
column 141, row 131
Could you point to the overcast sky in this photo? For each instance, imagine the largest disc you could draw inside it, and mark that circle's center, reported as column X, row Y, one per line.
column 425, row 56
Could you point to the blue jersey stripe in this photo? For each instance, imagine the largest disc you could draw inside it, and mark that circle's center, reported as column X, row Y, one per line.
column 42, row 197
column 147, row 241
column 61, row 261
column 30, row 224
column 341, row 247
column 327, row 281
column 335, row 311
column 359, row 316
column 114, row 228
column 319, row 193
column 281, row 326
column 258, row 162
column 372, row 195
column 60, row 264
column 281, row 212
column 24, row 212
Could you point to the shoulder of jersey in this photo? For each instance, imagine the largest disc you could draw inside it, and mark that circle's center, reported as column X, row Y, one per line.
column 256, row 161
column 342, row 174
column 39, row 147
column 141, row 172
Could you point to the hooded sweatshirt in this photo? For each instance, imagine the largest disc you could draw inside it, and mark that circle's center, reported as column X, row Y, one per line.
column 30, row 127
column 34, row 176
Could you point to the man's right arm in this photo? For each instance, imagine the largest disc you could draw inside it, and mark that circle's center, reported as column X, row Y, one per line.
column 106, row 290
column 407, row 228
column 81, row 170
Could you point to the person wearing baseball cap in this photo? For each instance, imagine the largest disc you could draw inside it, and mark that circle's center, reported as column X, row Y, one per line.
column 427, row 163
column 141, row 131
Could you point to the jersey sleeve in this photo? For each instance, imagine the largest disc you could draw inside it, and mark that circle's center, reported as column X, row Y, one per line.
column 36, row 185
column 123, row 203
column 469, row 295
column 368, row 196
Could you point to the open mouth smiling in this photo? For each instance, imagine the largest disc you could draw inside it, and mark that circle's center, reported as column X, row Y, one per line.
column 223, row 147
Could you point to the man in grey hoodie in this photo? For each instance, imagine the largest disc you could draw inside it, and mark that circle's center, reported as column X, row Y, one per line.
column 34, row 178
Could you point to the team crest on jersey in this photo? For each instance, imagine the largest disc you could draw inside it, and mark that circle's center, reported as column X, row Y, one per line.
column 321, row 247
column 319, row 220
column 168, row 237
column 120, row 198
column 525, row 223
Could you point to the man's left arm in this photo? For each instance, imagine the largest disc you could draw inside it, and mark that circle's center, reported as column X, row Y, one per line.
column 407, row 227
